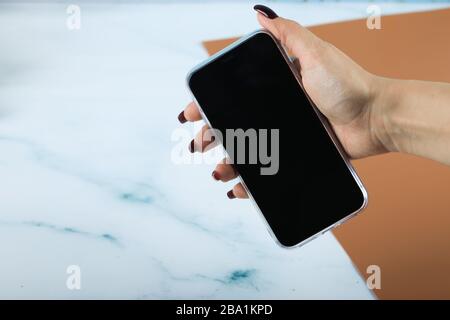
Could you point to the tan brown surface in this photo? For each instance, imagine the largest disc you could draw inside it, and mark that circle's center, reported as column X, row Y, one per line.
column 406, row 228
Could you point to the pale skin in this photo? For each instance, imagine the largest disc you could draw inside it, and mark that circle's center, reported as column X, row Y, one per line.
column 369, row 114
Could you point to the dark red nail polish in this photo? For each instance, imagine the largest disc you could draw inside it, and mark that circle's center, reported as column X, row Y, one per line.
column 192, row 146
column 230, row 194
column 215, row 175
column 266, row 11
column 181, row 117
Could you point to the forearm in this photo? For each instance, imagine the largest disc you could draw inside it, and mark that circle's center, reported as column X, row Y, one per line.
column 413, row 117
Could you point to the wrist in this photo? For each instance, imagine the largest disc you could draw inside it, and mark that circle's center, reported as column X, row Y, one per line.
column 384, row 97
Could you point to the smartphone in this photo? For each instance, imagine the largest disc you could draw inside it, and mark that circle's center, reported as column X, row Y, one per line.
column 286, row 154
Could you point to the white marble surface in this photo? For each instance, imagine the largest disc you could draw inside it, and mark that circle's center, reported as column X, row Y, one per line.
column 86, row 176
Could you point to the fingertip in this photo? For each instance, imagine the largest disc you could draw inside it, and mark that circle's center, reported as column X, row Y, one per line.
column 265, row 11
column 205, row 139
column 181, row 117
column 240, row 192
column 216, row 175
column 268, row 24
column 225, row 172
column 191, row 146
column 262, row 20
column 230, row 194
column 192, row 113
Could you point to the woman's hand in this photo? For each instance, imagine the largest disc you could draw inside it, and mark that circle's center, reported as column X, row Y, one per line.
column 369, row 114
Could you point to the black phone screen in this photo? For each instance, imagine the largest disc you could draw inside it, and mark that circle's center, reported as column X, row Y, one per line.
column 293, row 170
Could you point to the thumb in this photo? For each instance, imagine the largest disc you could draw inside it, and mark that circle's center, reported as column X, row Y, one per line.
column 296, row 38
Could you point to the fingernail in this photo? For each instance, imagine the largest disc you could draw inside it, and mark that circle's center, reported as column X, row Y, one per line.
column 181, row 117
column 192, row 146
column 230, row 194
column 265, row 11
column 215, row 175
